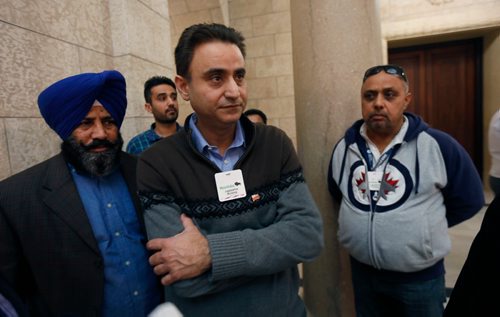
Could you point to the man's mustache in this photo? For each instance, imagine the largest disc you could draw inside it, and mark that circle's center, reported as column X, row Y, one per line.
column 377, row 113
column 98, row 143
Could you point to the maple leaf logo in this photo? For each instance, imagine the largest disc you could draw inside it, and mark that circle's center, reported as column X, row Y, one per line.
column 361, row 183
column 388, row 185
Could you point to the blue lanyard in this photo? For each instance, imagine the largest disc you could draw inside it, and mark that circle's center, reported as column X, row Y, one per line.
column 371, row 164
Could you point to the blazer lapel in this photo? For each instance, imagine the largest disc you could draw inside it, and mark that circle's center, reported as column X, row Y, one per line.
column 61, row 196
column 128, row 165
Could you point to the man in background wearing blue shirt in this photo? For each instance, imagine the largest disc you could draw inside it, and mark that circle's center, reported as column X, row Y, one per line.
column 71, row 232
column 161, row 100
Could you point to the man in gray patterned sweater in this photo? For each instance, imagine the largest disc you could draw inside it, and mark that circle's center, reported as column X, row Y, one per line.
column 227, row 210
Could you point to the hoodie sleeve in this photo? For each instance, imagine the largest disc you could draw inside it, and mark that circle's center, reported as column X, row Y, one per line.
column 336, row 170
column 463, row 193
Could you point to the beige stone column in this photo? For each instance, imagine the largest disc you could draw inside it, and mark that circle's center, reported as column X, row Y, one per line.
column 333, row 41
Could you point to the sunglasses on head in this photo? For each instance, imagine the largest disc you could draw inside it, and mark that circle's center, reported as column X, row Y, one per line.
column 389, row 69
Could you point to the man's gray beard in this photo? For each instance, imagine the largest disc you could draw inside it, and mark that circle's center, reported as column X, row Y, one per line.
column 96, row 164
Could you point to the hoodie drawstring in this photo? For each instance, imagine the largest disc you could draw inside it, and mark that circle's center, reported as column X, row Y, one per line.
column 417, row 168
column 343, row 164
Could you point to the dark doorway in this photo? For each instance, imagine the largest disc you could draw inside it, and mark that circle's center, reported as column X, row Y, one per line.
column 446, row 82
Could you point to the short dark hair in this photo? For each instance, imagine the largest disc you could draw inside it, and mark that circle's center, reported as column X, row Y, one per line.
column 153, row 82
column 256, row 112
column 198, row 34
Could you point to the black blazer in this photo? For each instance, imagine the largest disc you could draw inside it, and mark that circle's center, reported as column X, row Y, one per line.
column 47, row 247
column 476, row 291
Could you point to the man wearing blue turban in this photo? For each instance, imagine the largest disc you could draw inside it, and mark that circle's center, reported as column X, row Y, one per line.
column 71, row 231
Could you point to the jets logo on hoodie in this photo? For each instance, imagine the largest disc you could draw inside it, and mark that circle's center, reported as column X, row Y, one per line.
column 395, row 187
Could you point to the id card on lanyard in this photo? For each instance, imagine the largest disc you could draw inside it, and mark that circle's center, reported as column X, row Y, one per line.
column 374, row 175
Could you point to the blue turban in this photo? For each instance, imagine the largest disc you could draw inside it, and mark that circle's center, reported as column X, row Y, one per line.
column 65, row 103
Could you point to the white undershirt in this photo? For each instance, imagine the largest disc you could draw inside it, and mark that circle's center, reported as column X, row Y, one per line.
column 398, row 138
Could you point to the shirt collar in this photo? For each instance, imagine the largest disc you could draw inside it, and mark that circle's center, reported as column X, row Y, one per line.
column 201, row 144
column 153, row 136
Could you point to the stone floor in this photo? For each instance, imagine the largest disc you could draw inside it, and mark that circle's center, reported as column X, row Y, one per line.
column 462, row 236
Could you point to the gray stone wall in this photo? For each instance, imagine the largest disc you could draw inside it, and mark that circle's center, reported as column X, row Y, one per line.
column 46, row 40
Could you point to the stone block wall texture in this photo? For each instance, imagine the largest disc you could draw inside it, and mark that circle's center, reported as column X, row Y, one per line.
column 413, row 18
column 46, row 40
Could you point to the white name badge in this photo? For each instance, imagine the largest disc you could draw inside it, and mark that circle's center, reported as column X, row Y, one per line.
column 374, row 180
column 230, row 185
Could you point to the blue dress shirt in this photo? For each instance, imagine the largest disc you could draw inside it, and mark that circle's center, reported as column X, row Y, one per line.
column 130, row 288
column 232, row 154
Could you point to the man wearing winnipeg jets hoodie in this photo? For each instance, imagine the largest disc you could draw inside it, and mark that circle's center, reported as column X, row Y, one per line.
column 400, row 185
